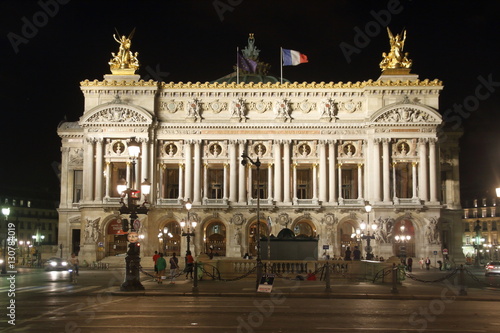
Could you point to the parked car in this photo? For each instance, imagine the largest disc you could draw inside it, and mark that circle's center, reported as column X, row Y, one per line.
column 56, row 264
column 493, row 267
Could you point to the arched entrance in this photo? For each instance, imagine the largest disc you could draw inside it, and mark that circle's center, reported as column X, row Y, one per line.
column 116, row 238
column 346, row 229
column 404, row 248
column 215, row 238
column 304, row 228
column 252, row 239
column 170, row 238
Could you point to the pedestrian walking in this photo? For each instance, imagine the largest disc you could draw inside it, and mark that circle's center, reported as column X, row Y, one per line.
column 155, row 257
column 409, row 264
column 427, row 263
column 74, row 262
column 161, row 265
column 347, row 255
column 174, row 265
column 421, row 262
column 189, row 264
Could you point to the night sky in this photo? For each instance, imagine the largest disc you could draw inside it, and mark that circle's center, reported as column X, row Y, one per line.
column 46, row 50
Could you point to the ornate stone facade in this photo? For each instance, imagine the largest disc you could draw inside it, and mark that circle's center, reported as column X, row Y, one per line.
column 326, row 149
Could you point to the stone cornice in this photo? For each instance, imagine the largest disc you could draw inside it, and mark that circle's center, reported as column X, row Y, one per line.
column 260, row 85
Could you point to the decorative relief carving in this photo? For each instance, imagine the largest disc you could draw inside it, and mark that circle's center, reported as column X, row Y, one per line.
column 405, row 115
column 350, row 106
column 260, row 106
column 171, row 106
column 193, row 109
column 238, row 219
column 327, row 109
column 282, row 109
column 170, row 149
column 306, row 106
column 76, row 157
column 217, row 106
column 238, row 109
column 117, row 114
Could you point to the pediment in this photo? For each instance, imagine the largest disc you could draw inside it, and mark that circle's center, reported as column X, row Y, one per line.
column 407, row 113
column 116, row 115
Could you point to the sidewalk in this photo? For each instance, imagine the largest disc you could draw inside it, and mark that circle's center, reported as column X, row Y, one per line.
column 339, row 289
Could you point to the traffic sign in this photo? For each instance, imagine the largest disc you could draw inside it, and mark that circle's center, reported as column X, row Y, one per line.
column 445, row 251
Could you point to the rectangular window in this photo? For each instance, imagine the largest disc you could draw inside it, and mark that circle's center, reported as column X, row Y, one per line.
column 118, row 172
column 485, row 226
column 467, row 240
column 404, row 180
column 171, row 183
column 215, row 183
column 467, row 227
column 43, row 226
column 350, row 182
column 262, row 190
column 50, row 226
column 77, row 185
column 493, row 226
column 304, row 184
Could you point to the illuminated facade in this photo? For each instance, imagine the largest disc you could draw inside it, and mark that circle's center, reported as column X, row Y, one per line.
column 326, row 150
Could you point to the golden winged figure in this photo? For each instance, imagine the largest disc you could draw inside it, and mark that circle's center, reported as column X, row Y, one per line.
column 125, row 62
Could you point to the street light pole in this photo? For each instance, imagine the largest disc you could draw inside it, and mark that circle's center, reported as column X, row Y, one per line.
column 244, row 160
column 368, row 237
column 133, row 260
column 5, row 212
column 190, row 225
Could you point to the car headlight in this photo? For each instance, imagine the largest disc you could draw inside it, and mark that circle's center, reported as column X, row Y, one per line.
column 64, row 263
column 53, row 263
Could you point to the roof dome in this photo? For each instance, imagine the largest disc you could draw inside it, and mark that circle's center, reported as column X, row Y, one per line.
column 249, row 69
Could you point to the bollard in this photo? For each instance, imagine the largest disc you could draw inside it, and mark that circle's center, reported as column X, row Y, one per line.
column 195, row 280
column 394, row 289
column 327, row 277
column 462, row 291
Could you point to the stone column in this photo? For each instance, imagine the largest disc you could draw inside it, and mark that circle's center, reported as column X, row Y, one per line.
column 331, row 171
column 161, row 182
column 432, row 170
column 242, row 176
column 205, row 182
column 270, row 183
column 423, row 175
column 249, row 185
column 197, row 173
column 181, row 182
column 188, row 176
column 99, row 175
column 294, row 181
column 277, row 171
column 286, row 172
column 88, row 170
column 108, row 179
column 394, row 180
column 386, row 170
column 322, row 172
column 360, row 181
column 144, row 163
column 224, row 188
column 233, row 172
column 375, row 180
column 414, row 179
column 315, row 183
column 340, row 181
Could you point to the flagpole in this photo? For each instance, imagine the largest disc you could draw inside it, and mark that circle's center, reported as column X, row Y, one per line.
column 237, row 66
column 281, row 62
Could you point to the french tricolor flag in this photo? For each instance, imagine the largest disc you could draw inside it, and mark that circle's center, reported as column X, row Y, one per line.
column 293, row 58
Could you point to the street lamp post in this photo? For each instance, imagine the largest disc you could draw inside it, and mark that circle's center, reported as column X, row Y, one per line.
column 5, row 212
column 132, row 208
column 244, row 160
column 368, row 237
column 477, row 243
column 191, row 225
column 402, row 238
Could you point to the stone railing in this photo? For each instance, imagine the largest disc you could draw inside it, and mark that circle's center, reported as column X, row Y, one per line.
column 230, row 268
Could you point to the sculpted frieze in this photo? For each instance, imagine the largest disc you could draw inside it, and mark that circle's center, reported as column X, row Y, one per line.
column 117, row 114
column 406, row 115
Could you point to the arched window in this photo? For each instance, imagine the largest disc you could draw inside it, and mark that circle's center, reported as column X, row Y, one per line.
column 215, row 238
column 252, row 239
column 170, row 238
column 304, row 229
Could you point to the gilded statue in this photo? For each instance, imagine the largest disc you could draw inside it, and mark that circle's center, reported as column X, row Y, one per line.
column 396, row 58
column 125, row 62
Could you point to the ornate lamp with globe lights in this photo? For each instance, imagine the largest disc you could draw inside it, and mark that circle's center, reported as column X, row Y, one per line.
column 132, row 208
column 191, row 225
column 367, row 236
